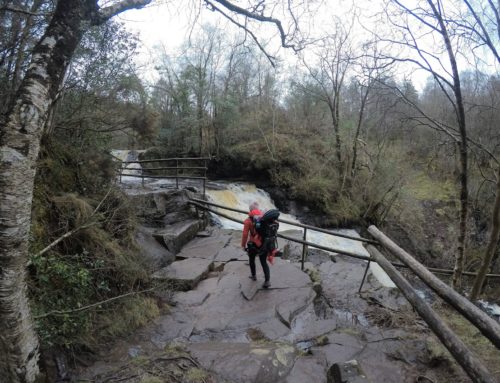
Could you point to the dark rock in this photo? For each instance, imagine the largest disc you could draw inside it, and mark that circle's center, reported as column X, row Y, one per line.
column 155, row 255
column 346, row 372
column 177, row 235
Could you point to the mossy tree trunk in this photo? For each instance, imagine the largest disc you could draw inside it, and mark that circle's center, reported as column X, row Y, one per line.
column 21, row 130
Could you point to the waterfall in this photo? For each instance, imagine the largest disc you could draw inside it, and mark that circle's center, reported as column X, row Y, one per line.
column 241, row 195
column 133, row 169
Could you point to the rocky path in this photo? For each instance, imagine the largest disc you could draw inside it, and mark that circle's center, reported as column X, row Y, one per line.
column 308, row 327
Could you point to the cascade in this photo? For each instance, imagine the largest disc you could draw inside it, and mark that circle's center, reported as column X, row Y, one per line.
column 241, row 195
column 130, row 169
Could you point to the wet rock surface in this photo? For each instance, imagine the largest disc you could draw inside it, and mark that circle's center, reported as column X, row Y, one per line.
column 291, row 332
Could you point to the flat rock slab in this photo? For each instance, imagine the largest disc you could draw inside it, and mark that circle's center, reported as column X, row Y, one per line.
column 184, row 274
column 190, row 298
column 205, row 248
column 249, row 288
column 177, row 235
column 246, row 362
column 308, row 369
column 227, row 309
column 167, row 328
column 307, row 326
column 230, row 253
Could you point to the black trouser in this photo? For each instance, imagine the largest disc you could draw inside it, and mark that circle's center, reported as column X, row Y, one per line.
column 253, row 251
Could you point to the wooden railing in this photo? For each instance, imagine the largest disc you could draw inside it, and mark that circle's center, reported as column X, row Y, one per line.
column 177, row 168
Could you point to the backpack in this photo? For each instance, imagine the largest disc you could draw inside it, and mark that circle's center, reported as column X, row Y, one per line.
column 267, row 227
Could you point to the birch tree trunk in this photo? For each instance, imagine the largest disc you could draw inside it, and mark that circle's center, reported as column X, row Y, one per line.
column 20, row 133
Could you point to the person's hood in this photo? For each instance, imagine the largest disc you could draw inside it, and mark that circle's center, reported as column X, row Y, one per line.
column 254, row 212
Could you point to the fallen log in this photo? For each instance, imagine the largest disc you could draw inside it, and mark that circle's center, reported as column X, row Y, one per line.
column 471, row 365
column 488, row 327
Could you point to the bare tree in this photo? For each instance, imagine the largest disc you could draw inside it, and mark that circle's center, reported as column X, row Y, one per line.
column 415, row 24
column 334, row 57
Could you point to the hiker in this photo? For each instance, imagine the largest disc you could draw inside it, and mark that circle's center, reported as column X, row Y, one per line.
column 252, row 243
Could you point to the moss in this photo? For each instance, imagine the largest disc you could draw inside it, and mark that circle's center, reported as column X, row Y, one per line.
column 151, row 379
column 423, row 187
column 196, row 375
column 134, row 312
column 256, row 335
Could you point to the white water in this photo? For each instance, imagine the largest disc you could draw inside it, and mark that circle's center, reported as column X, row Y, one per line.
column 130, row 169
column 241, row 195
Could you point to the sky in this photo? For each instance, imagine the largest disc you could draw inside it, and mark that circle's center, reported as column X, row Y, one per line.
column 169, row 23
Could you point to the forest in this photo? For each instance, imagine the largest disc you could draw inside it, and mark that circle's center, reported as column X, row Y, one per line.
column 393, row 122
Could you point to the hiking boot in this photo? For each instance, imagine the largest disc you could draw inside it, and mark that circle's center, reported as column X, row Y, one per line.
column 266, row 284
column 253, row 277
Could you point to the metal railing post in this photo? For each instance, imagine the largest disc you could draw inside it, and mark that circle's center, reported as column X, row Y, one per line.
column 205, row 178
column 304, row 249
column 364, row 276
column 176, row 173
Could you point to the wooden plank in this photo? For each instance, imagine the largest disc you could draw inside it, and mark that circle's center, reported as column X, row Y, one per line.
column 471, row 365
column 488, row 327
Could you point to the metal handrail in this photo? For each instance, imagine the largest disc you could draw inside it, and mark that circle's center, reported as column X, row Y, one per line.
column 168, row 159
column 360, row 239
column 435, row 270
column 176, row 168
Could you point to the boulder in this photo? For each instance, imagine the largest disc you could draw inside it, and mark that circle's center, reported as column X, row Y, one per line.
column 154, row 254
column 177, row 235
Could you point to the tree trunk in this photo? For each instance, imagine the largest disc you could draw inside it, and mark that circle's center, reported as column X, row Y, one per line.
column 21, row 130
column 460, row 113
column 358, row 130
column 335, row 125
column 492, row 245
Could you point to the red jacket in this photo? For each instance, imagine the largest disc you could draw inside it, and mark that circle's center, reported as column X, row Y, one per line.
column 249, row 233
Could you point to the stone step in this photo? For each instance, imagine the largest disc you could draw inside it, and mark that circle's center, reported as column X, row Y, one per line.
column 186, row 274
column 175, row 236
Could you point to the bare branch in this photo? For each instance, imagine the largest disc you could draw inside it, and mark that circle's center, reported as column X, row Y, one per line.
column 106, row 13
column 8, row 8
column 271, row 58
column 259, row 17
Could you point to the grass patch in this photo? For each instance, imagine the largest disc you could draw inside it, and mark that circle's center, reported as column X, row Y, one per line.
column 470, row 335
column 196, row 375
column 422, row 187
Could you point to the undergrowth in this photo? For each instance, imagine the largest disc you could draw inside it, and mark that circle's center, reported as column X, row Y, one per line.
column 98, row 261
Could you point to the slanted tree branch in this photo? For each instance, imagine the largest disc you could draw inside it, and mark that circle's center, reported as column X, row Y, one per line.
column 104, row 14
column 259, row 17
